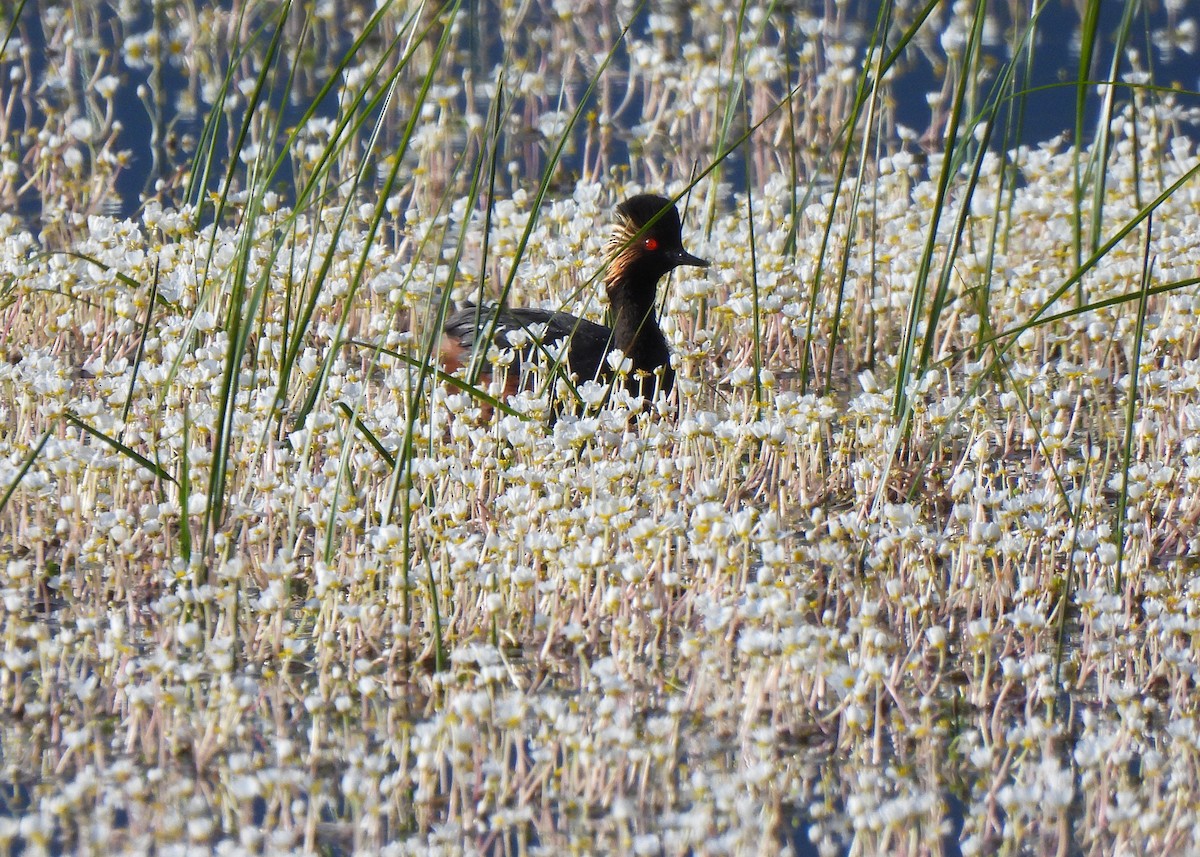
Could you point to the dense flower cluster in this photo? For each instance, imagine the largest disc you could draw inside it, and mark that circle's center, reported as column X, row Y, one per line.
column 272, row 586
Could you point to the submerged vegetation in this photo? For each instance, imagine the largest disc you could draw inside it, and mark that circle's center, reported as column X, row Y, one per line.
column 904, row 564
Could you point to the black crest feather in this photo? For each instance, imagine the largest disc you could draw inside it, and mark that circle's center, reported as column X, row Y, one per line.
column 640, row 209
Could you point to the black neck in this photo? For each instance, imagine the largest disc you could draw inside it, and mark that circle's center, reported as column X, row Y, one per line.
column 636, row 331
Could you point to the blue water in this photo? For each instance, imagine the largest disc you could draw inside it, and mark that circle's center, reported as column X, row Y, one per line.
column 1047, row 113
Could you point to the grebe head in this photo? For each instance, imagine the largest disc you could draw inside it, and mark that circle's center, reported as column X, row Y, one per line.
column 644, row 253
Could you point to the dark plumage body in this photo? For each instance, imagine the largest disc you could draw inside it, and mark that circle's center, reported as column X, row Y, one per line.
column 641, row 255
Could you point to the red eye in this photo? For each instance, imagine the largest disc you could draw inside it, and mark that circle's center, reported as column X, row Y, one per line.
column 650, row 244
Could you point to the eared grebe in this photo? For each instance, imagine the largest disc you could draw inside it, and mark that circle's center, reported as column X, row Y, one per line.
column 640, row 255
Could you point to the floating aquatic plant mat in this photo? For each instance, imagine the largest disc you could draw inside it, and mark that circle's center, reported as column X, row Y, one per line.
column 758, row 616
column 905, row 565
